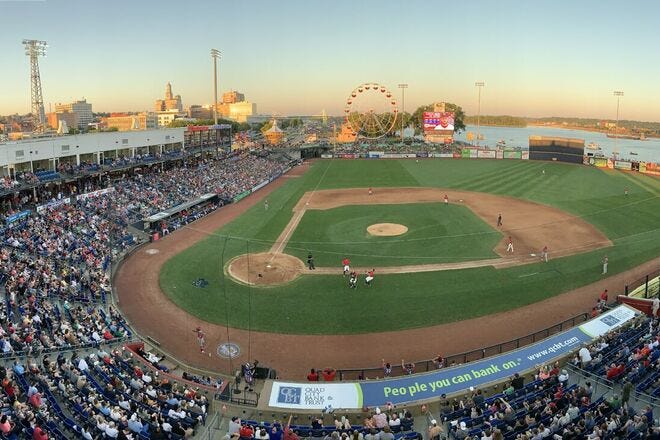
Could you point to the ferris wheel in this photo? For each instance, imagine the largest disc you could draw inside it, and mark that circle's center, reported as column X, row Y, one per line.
column 371, row 111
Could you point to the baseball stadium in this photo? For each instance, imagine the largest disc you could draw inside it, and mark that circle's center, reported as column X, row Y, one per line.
column 369, row 272
column 348, row 285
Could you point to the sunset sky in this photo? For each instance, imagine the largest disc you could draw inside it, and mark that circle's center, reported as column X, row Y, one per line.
column 537, row 58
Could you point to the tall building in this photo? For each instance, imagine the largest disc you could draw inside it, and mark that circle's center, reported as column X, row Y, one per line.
column 126, row 122
column 82, row 108
column 170, row 103
column 165, row 118
column 232, row 97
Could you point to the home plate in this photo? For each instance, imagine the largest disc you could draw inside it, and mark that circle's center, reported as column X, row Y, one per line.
column 268, row 266
column 532, row 255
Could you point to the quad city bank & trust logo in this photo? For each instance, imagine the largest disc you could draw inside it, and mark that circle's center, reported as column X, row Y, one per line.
column 302, row 395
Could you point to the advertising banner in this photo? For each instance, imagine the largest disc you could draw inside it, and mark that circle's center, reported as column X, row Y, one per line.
column 524, row 155
column 430, row 385
column 622, row 165
column 315, row 395
column 92, row 194
column 348, row 156
column 486, row 154
column 499, row 154
column 447, row 155
column 409, row 155
column 465, row 154
column 509, row 154
column 600, row 162
column 457, row 155
column 54, row 204
column 375, row 154
column 422, row 154
column 393, row 155
column 474, row 154
column 442, row 122
column 241, row 196
column 642, row 167
column 17, row 216
column 326, row 156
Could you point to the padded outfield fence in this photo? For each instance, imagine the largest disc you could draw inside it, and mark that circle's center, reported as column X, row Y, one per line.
column 468, row 356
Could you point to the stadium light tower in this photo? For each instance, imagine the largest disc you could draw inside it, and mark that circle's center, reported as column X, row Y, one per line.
column 34, row 49
column 215, row 54
column 403, row 88
column 618, row 95
column 479, row 84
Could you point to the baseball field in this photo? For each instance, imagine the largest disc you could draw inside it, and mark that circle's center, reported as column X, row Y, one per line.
column 443, row 262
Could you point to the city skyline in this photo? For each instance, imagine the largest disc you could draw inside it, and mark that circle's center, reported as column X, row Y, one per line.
column 554, row 59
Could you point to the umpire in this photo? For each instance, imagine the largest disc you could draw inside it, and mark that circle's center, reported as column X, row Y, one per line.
column 310, row 261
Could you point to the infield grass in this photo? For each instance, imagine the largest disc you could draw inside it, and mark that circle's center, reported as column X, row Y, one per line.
column 324, row 305
column 437, row 233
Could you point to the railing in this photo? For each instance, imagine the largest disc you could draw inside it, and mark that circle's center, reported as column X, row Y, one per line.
column 649, row 281
column 237, row 396
column 22, row 354
column 208, row 431
column 468, row 356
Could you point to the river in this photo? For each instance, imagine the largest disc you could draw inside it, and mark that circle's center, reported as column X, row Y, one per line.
column 648, row 150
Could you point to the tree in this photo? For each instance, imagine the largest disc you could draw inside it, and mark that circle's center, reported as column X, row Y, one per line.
column 235, row 126
column 459, row 116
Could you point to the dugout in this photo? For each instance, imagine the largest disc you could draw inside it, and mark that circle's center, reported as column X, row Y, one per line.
column 556, row 149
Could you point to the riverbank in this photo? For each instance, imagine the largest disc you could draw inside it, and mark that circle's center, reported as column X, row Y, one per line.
column 589, row 129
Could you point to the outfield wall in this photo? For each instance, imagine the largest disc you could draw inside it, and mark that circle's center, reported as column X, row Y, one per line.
column 475, row 153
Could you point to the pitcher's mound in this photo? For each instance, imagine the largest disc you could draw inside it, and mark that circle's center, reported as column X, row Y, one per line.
column 265, row 269
column 387, row 229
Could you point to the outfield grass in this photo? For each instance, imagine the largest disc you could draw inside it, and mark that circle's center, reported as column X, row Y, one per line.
column 437, row 233
column 320, row 304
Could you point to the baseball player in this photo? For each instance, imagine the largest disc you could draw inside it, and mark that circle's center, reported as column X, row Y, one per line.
column 509, row 247
column 605, row 262
column 200, row 339
column 266, row 205
column 446, row 200
column 371, row 191
column 347, row 266
column 352, row 280
column 544, row 254
column 499, row 220
column 310, row 261
column 369, row 277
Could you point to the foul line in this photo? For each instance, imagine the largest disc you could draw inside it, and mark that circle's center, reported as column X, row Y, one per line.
column 283, row 239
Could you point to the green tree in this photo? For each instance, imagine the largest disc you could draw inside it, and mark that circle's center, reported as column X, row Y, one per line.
column 459, row 116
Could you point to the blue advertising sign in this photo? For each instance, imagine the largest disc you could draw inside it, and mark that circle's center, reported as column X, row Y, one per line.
column 474, row 374
column 15, row 217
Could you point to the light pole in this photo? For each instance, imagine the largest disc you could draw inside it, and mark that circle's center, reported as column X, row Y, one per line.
column 479, row 84
column 618, row 95
column 403, row 88
column 35, row 49
column 215, row 54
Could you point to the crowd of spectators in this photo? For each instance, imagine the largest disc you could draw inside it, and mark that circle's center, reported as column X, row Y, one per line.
column 149, row 193
column 106, row 394
column 54, row 268
column 628, row 358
